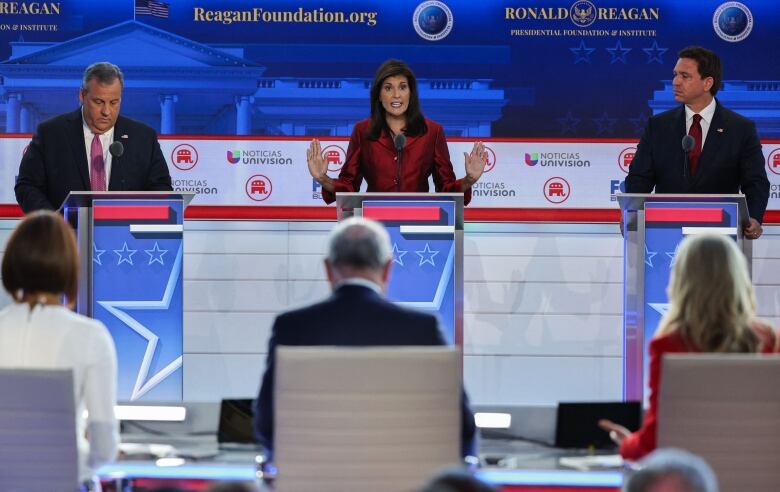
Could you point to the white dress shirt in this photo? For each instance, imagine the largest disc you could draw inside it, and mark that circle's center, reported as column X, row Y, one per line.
column 106, row 139
column 706, row 119
column 53, row 337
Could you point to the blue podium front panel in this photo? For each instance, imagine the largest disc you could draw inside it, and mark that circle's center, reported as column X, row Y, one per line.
column 137, row 293
column 666, row 224
column 423, row 237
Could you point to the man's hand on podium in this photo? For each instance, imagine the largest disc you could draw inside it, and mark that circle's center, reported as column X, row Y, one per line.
column 752, row 229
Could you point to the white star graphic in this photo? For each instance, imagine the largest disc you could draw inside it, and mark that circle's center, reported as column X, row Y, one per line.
column 97, row 253
column 426, row 255
column 398, row 255
column 142, row 384
column 125, row 254
column 156, row 254
column 649, row 255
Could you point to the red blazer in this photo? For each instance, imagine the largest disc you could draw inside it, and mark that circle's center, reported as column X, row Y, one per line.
column 643, row 441
column 375, row 161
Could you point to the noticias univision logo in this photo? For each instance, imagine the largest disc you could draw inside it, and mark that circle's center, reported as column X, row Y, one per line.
column 531, row 159
column 233, row 156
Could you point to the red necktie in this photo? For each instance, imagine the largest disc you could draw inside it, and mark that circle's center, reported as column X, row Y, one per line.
column 695, row 152
column 97, row 169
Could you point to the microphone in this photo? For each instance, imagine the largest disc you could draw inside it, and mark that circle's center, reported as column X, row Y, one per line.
column 116, row 149
column 688, row 142
column 399, row 141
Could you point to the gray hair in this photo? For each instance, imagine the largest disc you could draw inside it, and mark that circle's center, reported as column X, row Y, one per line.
column 104, row 72
column 358, row 242
column 695, row 474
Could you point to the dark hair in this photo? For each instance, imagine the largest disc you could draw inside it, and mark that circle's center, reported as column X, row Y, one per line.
column 41, row 256
column 104, row 73
column 708, row 62
column 415, row 121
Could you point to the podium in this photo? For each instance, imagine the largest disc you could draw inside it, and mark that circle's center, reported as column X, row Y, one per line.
column 130, row 278
column 653, row 226
column 426, row 231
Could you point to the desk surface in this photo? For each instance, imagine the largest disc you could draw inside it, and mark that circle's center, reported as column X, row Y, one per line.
column 512, row 463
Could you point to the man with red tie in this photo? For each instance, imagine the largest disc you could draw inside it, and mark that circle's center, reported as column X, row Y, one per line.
column 701, row 147
column 92, row 148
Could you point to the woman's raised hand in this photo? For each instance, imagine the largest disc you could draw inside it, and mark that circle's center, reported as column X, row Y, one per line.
column 475, row 162
column 318, row 167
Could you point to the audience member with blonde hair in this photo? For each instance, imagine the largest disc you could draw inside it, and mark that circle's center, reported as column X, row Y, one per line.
column 712, row 309
column 40, row 272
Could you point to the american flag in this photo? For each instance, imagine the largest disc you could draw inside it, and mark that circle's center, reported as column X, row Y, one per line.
column 150, row 7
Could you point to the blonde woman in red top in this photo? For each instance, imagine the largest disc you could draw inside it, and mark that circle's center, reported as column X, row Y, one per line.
column 712, row 309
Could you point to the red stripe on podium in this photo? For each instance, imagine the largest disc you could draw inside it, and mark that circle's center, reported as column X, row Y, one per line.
column 406, row 214
column 131, row 212
column 690, row 215
column 321, row 213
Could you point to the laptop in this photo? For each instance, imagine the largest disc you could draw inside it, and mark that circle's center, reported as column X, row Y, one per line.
column 235, row 423
column 577, row 423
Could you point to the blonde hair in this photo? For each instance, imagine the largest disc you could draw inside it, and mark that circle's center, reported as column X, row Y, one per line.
column 712, row 303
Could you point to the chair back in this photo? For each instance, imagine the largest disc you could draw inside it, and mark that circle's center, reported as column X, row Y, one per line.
column 726, row 409
column 38, row 450
column 379, row 419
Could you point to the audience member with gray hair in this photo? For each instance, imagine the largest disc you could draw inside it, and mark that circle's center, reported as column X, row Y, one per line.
column 672, row 470
column 456, row 480
column 93, row 148
column 357, row 265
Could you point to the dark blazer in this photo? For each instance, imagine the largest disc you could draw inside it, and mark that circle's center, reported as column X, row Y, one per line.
column 731, row 159
column 375, row 161
column 55, row 162
column 353, row 316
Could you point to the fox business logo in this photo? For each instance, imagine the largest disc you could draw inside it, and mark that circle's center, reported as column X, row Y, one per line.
column 316, row 190
column 616, row 186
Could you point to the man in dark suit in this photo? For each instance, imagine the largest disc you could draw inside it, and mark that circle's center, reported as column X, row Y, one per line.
column 725, row 155
column 74, row 151
column 356, row 314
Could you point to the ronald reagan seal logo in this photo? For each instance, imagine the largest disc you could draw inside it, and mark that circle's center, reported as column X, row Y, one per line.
column 432, row 20
column 732, row 21
column 582, row 13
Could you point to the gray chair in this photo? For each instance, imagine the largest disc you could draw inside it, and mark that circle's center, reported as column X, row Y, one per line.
column 379, row 419
column 38, row 450
column 726, row 409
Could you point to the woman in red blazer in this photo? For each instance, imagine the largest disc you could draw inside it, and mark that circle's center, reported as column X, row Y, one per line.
column 712, row 309
column 396, row 120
